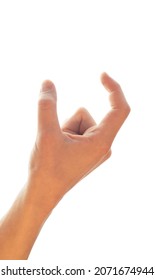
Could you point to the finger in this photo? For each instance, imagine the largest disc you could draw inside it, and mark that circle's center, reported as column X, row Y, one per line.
column 120, row 109
column 47, row 112
column 79, row 122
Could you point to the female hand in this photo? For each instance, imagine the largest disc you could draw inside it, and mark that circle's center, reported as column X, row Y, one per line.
column 63, row 156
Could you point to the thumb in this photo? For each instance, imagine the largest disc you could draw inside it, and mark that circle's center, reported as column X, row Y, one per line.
column 47, row 112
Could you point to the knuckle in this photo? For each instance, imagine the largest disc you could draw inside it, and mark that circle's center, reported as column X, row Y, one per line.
column 102, row 146
column 108, row 155
column 117, row 86
column 104, row 152
column 44, row 104
column 82, row 110
column 126, row 109
column 105, row 149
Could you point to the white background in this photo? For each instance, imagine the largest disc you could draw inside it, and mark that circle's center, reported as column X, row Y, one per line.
column 108, row 218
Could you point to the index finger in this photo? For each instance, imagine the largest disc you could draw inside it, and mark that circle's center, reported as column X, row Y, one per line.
column 112, row 122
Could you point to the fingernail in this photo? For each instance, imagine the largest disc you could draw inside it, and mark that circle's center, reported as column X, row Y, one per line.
column 47, row 85
column 104, row 74
column 47, row 90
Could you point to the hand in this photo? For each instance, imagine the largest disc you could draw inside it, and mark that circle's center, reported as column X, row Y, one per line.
column 60, row 158
column 63, row 156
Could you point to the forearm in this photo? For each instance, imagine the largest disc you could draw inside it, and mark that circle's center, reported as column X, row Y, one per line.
column 20, row 227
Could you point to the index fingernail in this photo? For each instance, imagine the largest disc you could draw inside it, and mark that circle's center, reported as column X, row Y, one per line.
column 47, row 90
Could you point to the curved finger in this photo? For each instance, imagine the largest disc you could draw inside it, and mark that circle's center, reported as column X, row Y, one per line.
column 79, row 122
column 120, row 109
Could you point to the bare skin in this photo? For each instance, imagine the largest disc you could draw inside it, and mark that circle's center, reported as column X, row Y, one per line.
column 61, row 157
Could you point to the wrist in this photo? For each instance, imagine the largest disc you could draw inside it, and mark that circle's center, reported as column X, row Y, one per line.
column 41, row 196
